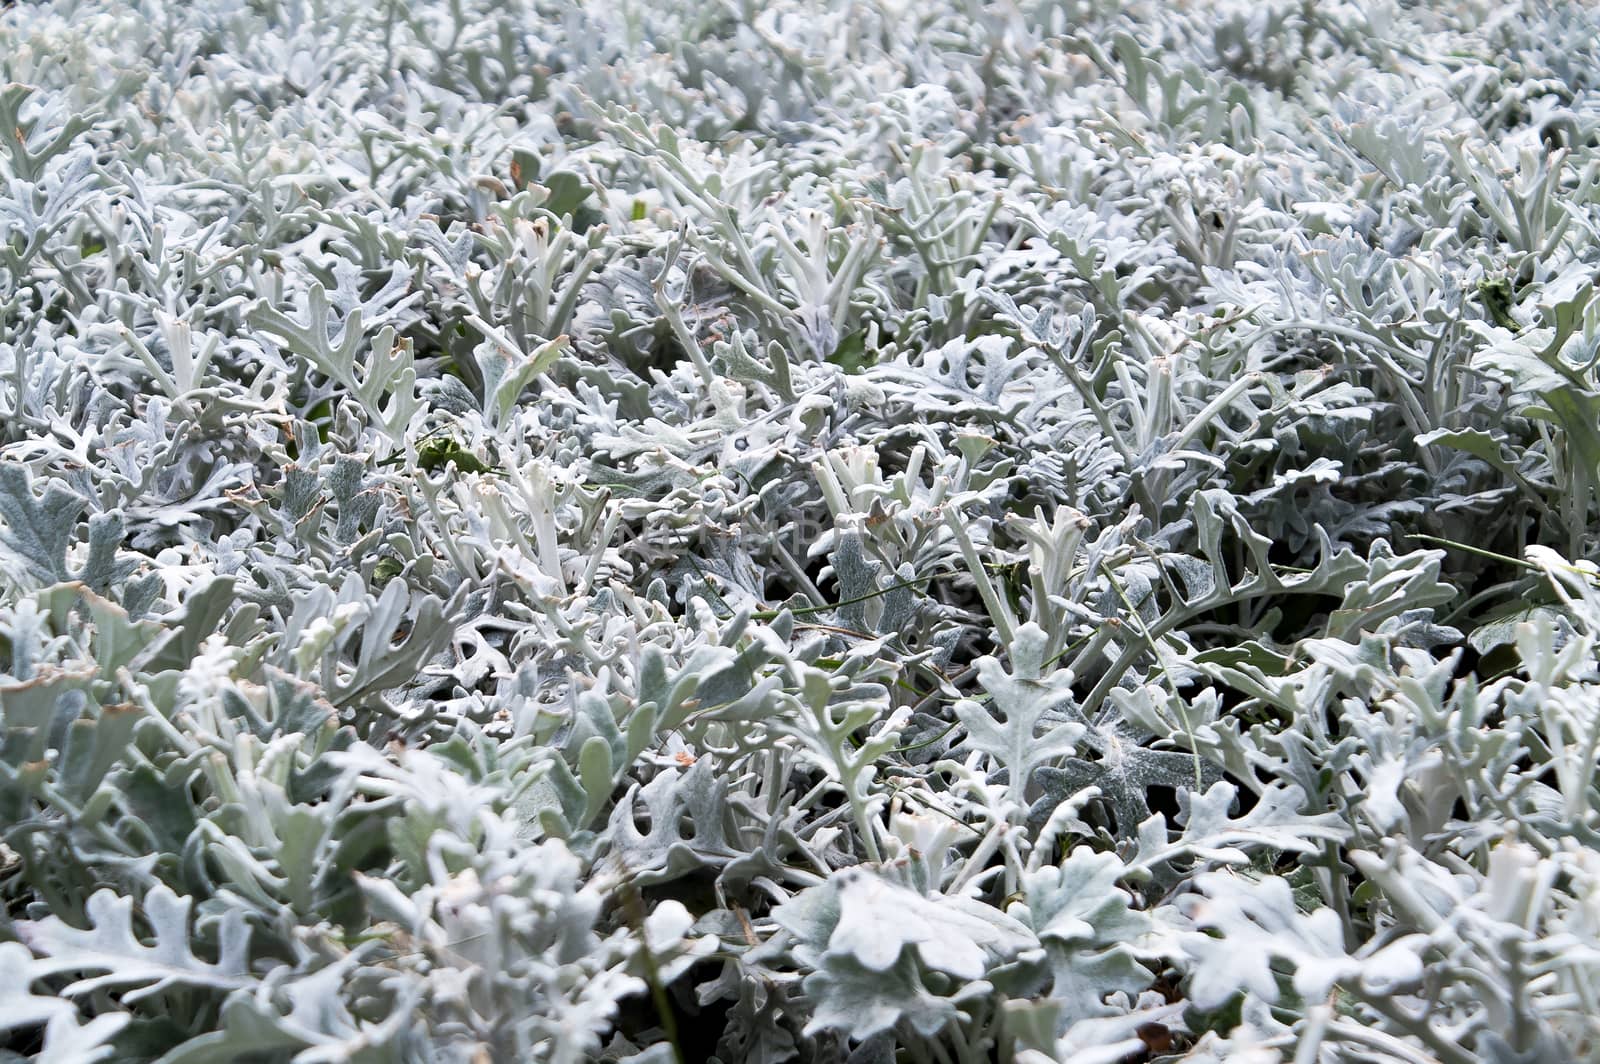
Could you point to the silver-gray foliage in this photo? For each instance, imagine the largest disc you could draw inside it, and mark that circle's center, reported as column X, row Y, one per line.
column 821, row 530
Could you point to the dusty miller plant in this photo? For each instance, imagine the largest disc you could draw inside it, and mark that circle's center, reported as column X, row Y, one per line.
column 810, row 531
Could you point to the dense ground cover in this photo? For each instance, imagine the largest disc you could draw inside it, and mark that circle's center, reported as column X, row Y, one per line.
column 932, row 532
